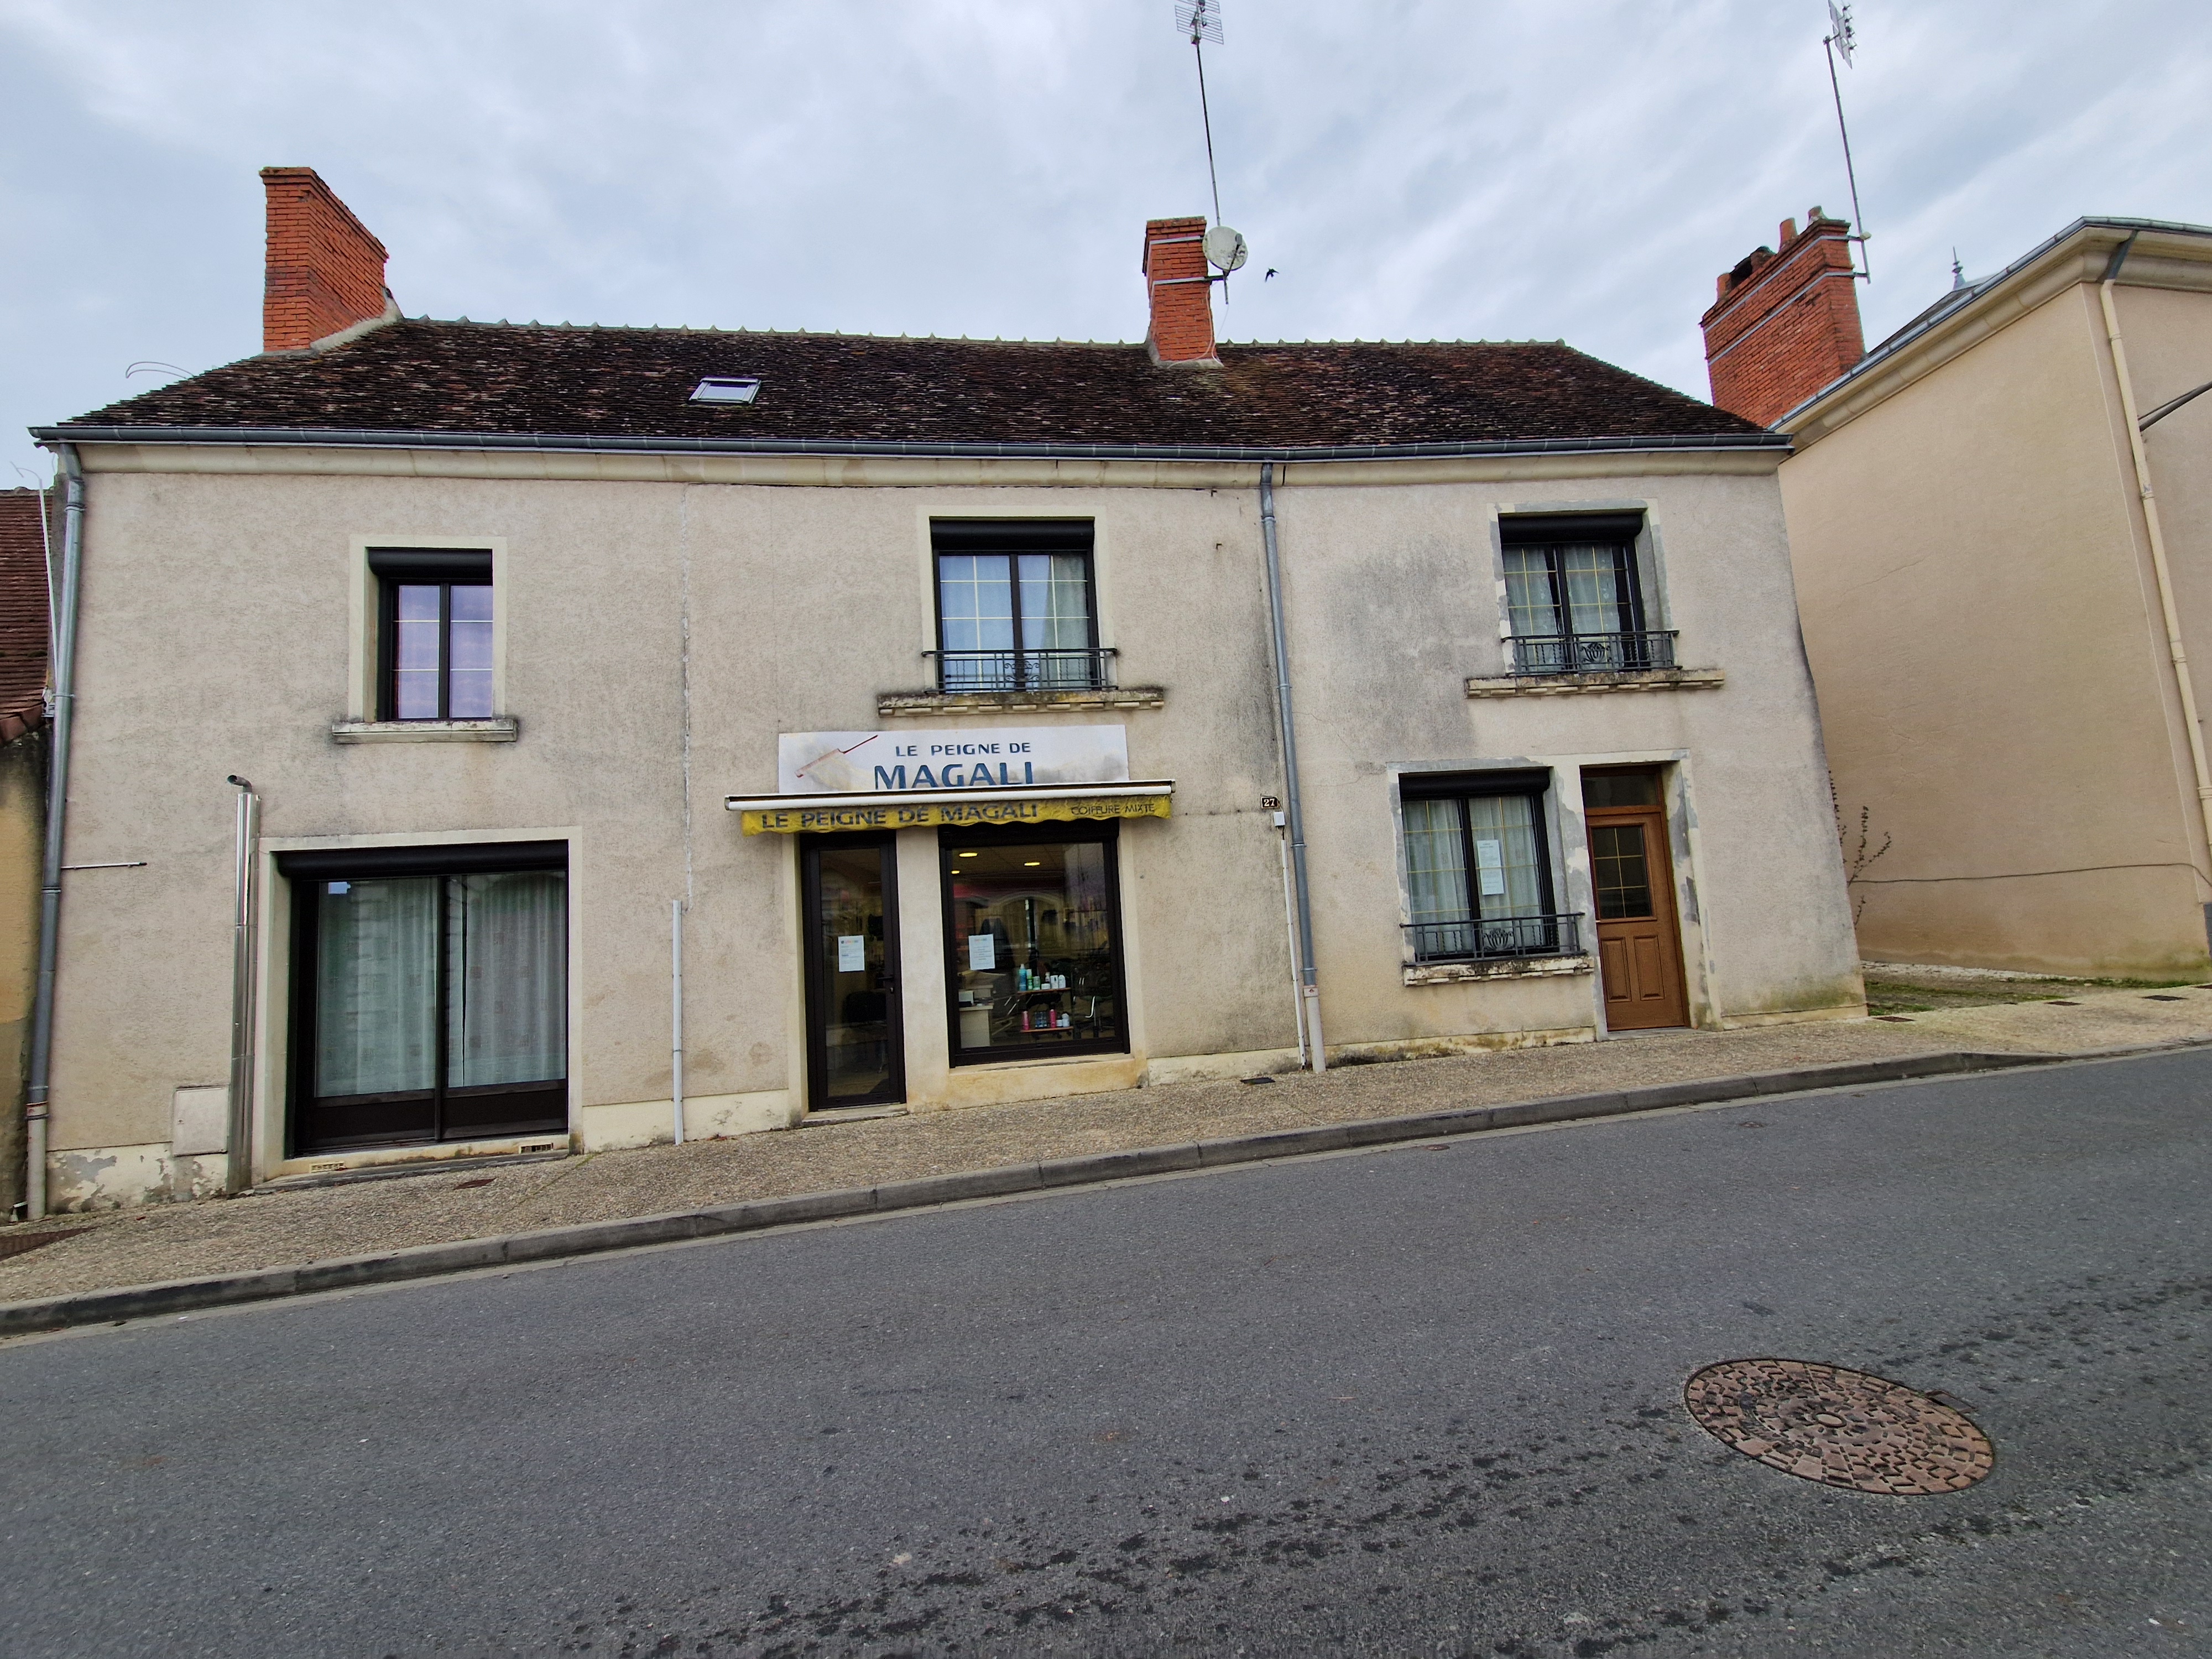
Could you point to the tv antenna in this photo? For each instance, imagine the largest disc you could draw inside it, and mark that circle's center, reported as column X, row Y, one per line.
column 1841, row 38
column 1201, row 20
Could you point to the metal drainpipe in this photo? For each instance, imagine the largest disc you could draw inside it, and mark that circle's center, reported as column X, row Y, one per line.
column 2190, row 723
column 1291, row 927
column 675, row 1012
column 238, row 1157
column 50, row 862
column 1309, row 983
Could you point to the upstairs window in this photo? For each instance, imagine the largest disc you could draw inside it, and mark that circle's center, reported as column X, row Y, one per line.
column 1574, row 596
column 434, row 634
column 1478, row 868
column 1015, row 607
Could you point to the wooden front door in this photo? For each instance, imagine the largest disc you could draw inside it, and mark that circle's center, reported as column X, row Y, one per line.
column 1638, row 942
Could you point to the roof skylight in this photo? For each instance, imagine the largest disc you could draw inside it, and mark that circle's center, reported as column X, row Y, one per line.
column 732, row 389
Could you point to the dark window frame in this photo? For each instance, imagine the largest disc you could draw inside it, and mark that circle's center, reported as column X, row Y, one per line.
column 306, row 872
column 1459, row 788
column 1552, row 531
column 394, row 568
column 1008, row 538
column 815, row 967
column 1109, row 832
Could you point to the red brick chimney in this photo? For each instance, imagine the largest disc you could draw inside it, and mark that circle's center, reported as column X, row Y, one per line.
column 1175, row 277
column 1786, row 323
column 325, row 271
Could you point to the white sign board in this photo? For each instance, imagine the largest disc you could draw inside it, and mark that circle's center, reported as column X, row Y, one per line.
column 897, row 762
column 852, row 953
column 1490, row 864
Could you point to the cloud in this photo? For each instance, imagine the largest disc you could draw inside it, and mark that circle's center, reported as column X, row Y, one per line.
column 982, row 167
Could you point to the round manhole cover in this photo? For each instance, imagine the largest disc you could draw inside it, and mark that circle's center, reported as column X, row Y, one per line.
column 1841, row 1428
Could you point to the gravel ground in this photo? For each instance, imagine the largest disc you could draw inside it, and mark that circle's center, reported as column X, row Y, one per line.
column 288, row 1227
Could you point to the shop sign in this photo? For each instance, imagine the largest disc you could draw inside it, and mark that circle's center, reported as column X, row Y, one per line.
column 798, row 818
column 898, row 762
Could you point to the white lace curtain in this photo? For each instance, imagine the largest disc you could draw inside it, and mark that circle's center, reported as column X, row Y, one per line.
column 1507, row 878
column 505, row 941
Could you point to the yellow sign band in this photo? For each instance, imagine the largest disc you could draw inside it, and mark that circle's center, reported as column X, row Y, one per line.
column 798, row 820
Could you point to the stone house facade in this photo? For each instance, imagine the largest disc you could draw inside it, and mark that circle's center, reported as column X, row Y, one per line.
column 661, row 731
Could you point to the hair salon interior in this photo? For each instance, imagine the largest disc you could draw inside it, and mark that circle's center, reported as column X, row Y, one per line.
column 485, row 737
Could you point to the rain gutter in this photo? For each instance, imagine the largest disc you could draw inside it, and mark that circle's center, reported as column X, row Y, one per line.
column 35, row 1118
column 369, row 438
column 1310, row 1035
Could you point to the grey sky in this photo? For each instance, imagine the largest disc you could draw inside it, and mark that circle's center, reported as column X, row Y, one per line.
column 1502, row 170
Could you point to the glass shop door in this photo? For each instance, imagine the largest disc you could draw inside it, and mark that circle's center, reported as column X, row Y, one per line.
column 856, row 1052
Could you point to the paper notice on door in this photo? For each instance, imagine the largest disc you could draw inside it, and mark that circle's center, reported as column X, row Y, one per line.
column 982, row 952
column 1490, row 865
column 852, row 953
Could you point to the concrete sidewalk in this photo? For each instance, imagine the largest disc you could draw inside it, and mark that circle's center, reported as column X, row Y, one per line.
column 291, row 1228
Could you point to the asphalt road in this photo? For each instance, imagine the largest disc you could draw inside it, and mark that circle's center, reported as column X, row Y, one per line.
column 1414, row 1401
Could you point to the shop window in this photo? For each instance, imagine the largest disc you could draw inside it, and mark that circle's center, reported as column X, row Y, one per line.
column 1478, row 869
column 434, row 634
column 1016, row 607
column 430, row 989
column 1574, row 596
column 1032, row 918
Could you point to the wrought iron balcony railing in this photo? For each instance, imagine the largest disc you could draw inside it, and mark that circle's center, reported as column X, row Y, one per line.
column 1024, row 670
column 1593, row 653
column 1486, row 939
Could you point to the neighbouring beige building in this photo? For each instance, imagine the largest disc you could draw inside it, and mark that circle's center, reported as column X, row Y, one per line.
column 1993, row 515
column 931, row 686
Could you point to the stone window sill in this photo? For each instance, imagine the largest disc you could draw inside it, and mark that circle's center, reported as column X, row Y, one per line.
column 893, row 705
column 1569, row 686
column 504, row 729
column 1459, row 973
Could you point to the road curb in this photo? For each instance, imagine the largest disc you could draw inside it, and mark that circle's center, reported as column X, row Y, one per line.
column 589, row 1238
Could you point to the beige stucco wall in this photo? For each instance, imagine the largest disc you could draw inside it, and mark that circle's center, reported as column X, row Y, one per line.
column 1394, row 597
column 1979, row 609
column 661, row 634
column 2168, row 336
column 22, row 814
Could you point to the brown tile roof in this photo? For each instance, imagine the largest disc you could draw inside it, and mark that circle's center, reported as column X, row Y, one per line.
column 22, row 614
column 494, row 379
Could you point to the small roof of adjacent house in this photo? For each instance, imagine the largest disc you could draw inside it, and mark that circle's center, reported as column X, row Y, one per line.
column 465, row 384
column 22, row 612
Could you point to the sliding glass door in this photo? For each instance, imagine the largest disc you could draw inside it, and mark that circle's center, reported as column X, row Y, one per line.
column 429, row 1004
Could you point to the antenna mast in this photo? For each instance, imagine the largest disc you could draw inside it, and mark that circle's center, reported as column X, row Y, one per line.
column 1201, row 21
column 1224, row 249
column 1840, row 37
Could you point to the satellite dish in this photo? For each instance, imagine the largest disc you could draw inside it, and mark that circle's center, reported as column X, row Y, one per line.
column 1224, row 249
